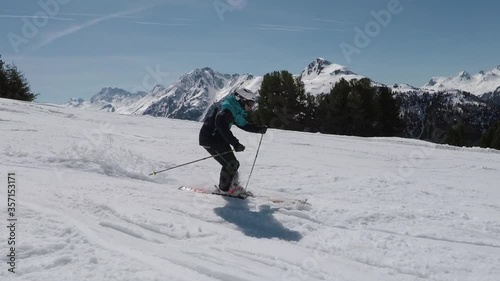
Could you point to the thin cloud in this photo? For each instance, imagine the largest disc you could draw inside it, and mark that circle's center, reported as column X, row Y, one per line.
column 33, row 17
column 182, row 19
column 423, row 32
column 73, row 29
column 280, row 29
column 97, row 15
column 334, row 21
column 61, row 14
column 293, row 28
column 162, row 23
column 205, row 53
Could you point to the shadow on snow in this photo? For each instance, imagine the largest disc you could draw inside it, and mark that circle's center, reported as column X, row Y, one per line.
column 258, row 224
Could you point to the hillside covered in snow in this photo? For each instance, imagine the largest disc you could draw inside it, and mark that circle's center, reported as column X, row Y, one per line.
column 386, row 209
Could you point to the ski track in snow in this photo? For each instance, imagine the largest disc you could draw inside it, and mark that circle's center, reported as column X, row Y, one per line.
column 382, row 208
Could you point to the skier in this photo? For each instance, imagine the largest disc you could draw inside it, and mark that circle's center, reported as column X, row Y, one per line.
column 216, row 136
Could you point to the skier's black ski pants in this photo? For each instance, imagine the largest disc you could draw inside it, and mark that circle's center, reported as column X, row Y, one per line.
column 228, row 161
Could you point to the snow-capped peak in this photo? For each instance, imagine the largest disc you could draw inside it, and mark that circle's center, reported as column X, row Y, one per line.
column 321, row 66
column 464, row 75
column 316, row 66
column 75, row 102
column 112, row 94
column 321, row 75
column 403, row 88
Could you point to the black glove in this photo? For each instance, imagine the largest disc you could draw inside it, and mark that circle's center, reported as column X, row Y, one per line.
column 239, row 148
column 263, row 130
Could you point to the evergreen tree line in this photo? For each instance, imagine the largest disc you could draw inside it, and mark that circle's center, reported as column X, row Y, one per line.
column 438, row 118
column 492, row 137
column 351, row 108
column 357, row 108
column 13, row 84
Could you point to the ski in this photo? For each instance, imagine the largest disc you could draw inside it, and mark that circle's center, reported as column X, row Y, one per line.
column 301, row 202
column 248, row 194
column 213, row 192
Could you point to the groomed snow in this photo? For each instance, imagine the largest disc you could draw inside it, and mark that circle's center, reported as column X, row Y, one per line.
column 382, row 208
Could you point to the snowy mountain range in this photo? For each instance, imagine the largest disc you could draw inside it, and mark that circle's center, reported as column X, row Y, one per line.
column 192, row 96
column 477, row 84
column 194, row 93
column 188, row 98
column 108, row 99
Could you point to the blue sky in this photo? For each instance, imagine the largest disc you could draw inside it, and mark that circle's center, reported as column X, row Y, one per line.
column 83, row 46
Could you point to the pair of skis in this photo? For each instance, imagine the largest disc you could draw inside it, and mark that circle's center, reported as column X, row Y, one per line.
column 245, row 196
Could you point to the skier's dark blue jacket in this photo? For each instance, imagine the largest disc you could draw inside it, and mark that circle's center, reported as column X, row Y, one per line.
column 216, row 128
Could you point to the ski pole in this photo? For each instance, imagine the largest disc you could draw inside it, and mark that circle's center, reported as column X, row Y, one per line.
column 258, row 148
column 154, row 173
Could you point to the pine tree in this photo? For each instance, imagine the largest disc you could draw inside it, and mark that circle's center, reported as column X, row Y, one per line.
column 3, row 79
column 299, row 103
column 282, row 101
column 360, row 109
column 18, row 86
column 365, row 113
column 389, row 120
column 311, row 120
column 455, row 136
column 268, row 99
column 492, row 137
column 355, row 114
column 495, row 143
column 13, row 84
column 333, row 108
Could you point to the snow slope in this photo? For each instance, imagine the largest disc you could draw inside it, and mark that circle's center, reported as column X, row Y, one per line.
column 382, row 208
